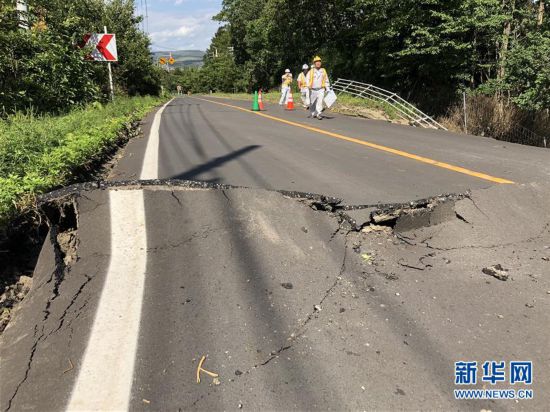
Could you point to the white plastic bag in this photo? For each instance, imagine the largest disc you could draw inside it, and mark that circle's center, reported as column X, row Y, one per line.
column 330, row 98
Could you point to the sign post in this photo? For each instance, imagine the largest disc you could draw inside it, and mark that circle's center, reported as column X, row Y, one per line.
column 103, row 50
column 111, row 88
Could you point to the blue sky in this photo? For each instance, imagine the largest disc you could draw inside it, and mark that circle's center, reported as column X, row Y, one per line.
column 180, row 24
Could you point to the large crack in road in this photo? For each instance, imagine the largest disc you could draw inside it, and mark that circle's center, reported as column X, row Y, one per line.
column 298, row 300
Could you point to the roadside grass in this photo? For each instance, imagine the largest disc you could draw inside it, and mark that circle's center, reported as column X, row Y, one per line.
column 38, row 154
column 270, row 97
column 346, row 104
column 359, row 104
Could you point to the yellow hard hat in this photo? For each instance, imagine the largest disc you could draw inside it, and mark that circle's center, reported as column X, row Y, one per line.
column 316, row 59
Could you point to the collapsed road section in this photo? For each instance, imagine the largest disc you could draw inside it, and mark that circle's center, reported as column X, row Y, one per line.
column 181, row 295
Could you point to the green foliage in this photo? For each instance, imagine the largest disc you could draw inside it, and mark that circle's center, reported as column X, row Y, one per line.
column 40, row 153
column 427, row 50
column 528, row 72
column 40, row 69
column 219, row 73
column 43, row 70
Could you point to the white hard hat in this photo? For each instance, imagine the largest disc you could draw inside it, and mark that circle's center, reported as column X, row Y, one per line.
column 287, row 71
column 305, row 67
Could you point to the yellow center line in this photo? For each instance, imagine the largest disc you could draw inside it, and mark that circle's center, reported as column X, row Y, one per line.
column 397, row 152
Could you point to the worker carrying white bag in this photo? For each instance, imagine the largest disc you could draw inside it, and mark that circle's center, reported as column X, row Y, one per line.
column 302, row 84
column 318, row 84
column 330, row 98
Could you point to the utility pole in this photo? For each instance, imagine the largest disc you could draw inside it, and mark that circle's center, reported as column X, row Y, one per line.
column 23, row 14
column 111, row 88
column 465, row 115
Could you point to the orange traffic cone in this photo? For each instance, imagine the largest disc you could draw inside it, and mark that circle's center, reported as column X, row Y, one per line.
column 290, row 101
column 260, row 102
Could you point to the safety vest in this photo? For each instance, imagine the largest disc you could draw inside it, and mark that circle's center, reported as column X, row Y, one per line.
column 287, row 80
column 302, row 81
column 311, row 76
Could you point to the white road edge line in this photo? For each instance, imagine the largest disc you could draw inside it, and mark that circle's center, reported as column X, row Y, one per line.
column 105, row 378
column 150, row 166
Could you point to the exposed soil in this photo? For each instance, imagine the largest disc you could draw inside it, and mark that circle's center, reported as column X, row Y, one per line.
column 21, row 242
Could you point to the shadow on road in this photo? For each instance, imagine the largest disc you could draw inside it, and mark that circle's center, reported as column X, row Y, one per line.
column 249, row 170
column 192, row 174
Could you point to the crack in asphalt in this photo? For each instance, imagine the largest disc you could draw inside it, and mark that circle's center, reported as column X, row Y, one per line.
column 72, row 302
column 57, row 276
column 226, row 197
column 299, row 331
column 175, row 197
column 202, row 235
column 469, row 197
column 406, row 265
column 498, row 245
column 462, row 218
column 333, row 234
column 427, row 255
column 95, row 202
column 28, row 368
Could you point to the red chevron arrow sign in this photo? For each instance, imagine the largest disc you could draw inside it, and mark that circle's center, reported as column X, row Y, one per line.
column 104, row 47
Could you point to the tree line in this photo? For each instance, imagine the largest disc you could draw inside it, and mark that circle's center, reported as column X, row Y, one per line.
column 43, row 69
column 429, row 51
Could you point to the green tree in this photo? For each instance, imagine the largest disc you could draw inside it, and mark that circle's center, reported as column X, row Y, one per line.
column 427, row 50
column 44, row 69
column 39, row 68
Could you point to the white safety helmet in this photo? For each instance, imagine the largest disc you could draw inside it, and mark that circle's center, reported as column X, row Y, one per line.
column 305, row 67
column 287, row 71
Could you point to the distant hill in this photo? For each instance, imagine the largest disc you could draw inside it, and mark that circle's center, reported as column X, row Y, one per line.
column 184, row 58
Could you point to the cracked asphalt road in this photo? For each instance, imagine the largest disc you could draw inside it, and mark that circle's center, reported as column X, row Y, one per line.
column 292, row 309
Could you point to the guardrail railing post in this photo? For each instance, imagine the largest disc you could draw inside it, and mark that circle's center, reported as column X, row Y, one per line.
column 403, row 109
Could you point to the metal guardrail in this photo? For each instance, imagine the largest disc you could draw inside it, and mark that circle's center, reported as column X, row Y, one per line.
column 402, row 108
column 523, row 135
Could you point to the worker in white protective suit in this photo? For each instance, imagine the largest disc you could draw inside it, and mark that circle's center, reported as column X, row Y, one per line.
column 318, row 84
column 302, row 84
column 285, row 86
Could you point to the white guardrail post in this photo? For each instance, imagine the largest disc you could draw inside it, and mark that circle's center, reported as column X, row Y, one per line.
column 404, row 109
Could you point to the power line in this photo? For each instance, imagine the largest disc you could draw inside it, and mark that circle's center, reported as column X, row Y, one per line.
column 144, row 13
column 141, row 13
column 147, row 16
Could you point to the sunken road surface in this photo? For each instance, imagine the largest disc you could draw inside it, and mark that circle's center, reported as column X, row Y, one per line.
column 296, row 301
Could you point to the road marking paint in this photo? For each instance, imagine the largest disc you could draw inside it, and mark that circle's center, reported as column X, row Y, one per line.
column 105, row 378
column 150, row 166
column 387, row 149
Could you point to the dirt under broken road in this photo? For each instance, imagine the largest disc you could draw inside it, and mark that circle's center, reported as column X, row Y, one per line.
column 299, row 302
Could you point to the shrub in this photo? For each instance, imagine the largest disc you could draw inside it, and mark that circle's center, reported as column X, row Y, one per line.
column 495, row 117
column 38, row 154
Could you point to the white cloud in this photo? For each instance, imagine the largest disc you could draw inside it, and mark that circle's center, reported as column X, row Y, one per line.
column 172, row 32
column 177, row 28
